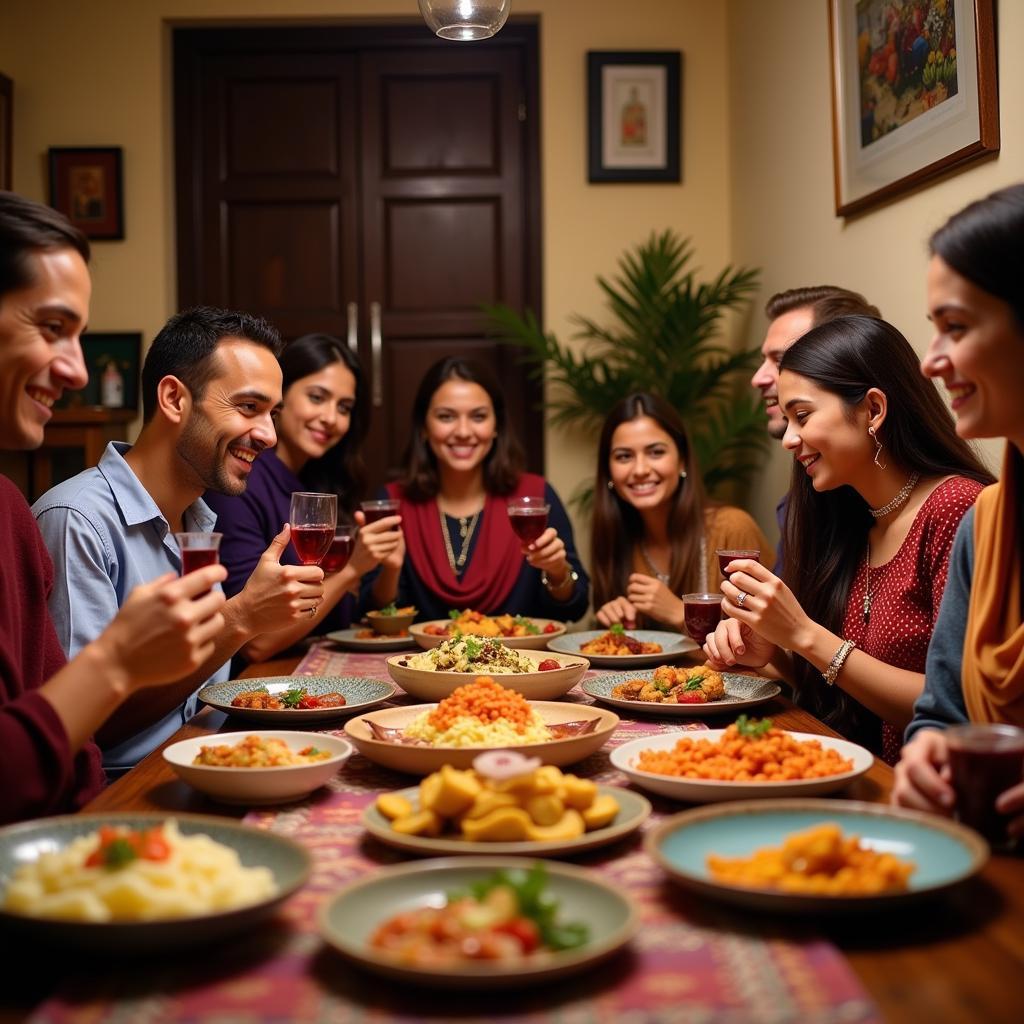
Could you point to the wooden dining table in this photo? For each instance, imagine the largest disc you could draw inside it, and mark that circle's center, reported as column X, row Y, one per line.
column 957, row 958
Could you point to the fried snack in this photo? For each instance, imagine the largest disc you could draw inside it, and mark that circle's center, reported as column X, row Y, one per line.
column 819, row 861
column 674, row 686
column 760, row 755
column 619, row 642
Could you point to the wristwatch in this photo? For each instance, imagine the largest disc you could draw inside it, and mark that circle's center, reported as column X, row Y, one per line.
column 573, row 576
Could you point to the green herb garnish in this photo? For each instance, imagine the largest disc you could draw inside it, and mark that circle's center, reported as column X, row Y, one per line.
column 454, row 613
column 389, row 609
column 473, row 647
column 694, row 683
column 618, row 629
column 118, row 853
column 528, row 624
column 290, row 698
column 751, row 728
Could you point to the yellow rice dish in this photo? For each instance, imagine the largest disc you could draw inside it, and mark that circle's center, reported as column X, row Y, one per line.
column 258, row 752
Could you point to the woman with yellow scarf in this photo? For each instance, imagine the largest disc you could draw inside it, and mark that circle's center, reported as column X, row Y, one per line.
column 975, row 665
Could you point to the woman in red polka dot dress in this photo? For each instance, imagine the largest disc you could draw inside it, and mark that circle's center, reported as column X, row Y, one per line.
column 880, row 484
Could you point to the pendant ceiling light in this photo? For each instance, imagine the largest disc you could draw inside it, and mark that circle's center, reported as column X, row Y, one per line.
column 465, row 19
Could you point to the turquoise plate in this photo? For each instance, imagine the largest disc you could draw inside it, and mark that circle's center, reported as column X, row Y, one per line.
column 349, row 919
column 360, row 695
column 22, row 844
column 945, row 853
column 673, row 645
column 741, row 693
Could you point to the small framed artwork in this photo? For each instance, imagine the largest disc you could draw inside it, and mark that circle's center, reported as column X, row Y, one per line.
column 6, row 132
column 914, row 94
column 113, row 360
column 633, row 122
column 85, row 185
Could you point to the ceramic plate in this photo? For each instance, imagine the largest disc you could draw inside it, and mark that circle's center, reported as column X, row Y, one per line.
column 360, row 695
column 945, row 853
column 252, row 786
column 704, row 791
column 548, row 685
column 741, row 692
column 633, row 812
column 672, row 646
column 20, row 844
column 422, row 760
column 350, row 640
column 348, row 921
column 549, row 629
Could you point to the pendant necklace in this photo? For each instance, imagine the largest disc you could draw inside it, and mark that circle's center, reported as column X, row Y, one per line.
column 466, row 528
column 661, row 577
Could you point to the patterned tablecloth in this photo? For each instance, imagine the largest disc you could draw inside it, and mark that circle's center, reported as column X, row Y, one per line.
column 690, row 961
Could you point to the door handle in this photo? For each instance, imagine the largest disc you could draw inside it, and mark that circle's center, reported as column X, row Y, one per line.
column 376, row 355
column 353, row 328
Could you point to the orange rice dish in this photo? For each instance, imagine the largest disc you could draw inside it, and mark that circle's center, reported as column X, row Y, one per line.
column 258, row 752
column 774, row 756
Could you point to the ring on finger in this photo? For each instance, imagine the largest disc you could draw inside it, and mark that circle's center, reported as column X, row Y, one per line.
column 743, row 596
column 311, row 610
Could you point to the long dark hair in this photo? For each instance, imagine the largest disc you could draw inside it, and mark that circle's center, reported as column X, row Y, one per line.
column 617, row 528
column 504, row 462
column 984, row 243
column 340, row 469
column 826, row 533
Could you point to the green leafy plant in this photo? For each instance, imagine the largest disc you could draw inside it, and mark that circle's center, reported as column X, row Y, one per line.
column 664, row 338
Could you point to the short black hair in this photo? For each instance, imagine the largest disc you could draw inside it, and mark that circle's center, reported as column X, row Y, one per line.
column 27, row 227
column 185, row 346
column 825, row 301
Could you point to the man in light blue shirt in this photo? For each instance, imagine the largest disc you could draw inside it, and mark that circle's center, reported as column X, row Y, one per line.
column 210, row 384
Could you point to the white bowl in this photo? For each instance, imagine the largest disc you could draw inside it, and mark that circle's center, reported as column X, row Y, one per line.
column 706, row 791
column 530, row 642
column 258, row 785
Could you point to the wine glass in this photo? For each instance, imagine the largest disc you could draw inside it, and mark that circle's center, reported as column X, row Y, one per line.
column 341, row 548
column 313, row 518
column 198, row 549
column 528, row 517
column 379, row 508
column 701, row 614
column 727, row 555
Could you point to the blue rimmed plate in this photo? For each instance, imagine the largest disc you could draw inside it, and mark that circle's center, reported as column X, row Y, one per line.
column 945, row 853
column 360, row 695
column 288, row 862
column 741, row 692
column 673, row 645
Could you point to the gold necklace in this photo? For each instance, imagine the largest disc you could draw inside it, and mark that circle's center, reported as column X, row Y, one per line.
column 466, row 532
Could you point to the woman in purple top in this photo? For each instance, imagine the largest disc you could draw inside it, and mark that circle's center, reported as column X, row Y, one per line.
column 319, row 433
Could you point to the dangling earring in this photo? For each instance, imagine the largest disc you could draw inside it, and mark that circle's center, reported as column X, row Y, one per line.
column 878, row 448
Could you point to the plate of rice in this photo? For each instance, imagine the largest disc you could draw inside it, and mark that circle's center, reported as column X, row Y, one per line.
column 437, row 672
column 482, row 715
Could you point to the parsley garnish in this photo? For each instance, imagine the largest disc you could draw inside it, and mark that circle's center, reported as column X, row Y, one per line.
column 473, row 647
column 751, row 728
column 389, row 609
column 290, row 698
column 454, row 613
column 618, row 629
column 528, row 624
column 118, row 853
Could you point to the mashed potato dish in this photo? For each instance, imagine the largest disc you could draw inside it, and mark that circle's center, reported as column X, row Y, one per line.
column 121, row 874
column 480, row 714
column 472, row 654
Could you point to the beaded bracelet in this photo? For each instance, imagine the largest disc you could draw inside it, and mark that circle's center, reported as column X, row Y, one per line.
column 831, row 674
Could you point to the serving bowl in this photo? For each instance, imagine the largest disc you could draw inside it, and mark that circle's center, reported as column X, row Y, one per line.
column 258, row 785
column 549, row 629
column 391, row 625
column 426, row 685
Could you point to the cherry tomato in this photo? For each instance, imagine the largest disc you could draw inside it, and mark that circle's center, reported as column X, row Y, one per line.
column 548, row 665
column 523, row 929
column 550, row 628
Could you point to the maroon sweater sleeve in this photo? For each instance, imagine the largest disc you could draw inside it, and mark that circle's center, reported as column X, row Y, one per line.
column 38, row 773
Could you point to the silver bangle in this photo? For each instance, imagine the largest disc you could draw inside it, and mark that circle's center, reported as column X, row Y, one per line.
column 831, row 674
column 573, row 575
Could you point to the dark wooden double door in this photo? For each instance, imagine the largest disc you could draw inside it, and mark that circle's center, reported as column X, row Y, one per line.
column 372, row 183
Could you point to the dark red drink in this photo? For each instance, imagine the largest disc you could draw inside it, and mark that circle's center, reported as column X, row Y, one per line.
column 528, row 523
column 381, row 509
column 312, row 542
column 339, row 552
column 985, row 761
column 725, row 557
column 197, row 558
column 701, row 614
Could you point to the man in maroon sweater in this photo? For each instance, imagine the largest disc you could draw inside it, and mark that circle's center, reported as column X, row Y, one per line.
column 49, row 708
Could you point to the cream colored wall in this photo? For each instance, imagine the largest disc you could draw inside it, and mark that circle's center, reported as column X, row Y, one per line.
column 98, row 74
column 781, row 194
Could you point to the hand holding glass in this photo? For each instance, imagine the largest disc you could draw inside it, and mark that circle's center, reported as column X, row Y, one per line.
column 727, row 555
column 528, row 517
column 313, row 518
column 379, row 508
column 198, row 549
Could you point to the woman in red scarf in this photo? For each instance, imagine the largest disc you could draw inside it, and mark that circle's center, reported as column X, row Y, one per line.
column 975, row 669
column 462, row 467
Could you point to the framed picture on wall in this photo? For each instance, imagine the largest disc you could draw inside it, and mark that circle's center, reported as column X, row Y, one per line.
column 85, row 185
column 113, row 360
column 633, row 123
column 914, row 94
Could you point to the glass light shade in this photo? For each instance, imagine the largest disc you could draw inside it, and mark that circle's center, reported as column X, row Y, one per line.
column 465, row 19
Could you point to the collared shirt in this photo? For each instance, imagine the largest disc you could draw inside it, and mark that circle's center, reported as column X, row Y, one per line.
column 106, row 536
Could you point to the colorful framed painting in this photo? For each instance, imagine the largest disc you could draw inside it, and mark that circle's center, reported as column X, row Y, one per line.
column 113, row 360
column 914, row 94
column 633, row 122
column 85, row 185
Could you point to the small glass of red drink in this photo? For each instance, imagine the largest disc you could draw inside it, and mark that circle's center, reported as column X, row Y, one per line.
column 727, row 555
column 313, row 518
column 985, row 760
column 341, row 548
column 198, row 549
column 701, row 614
column 379, row 508
column 528, row 517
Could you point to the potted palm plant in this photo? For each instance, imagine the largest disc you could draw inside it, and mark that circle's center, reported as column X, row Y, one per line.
column 664, row 337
